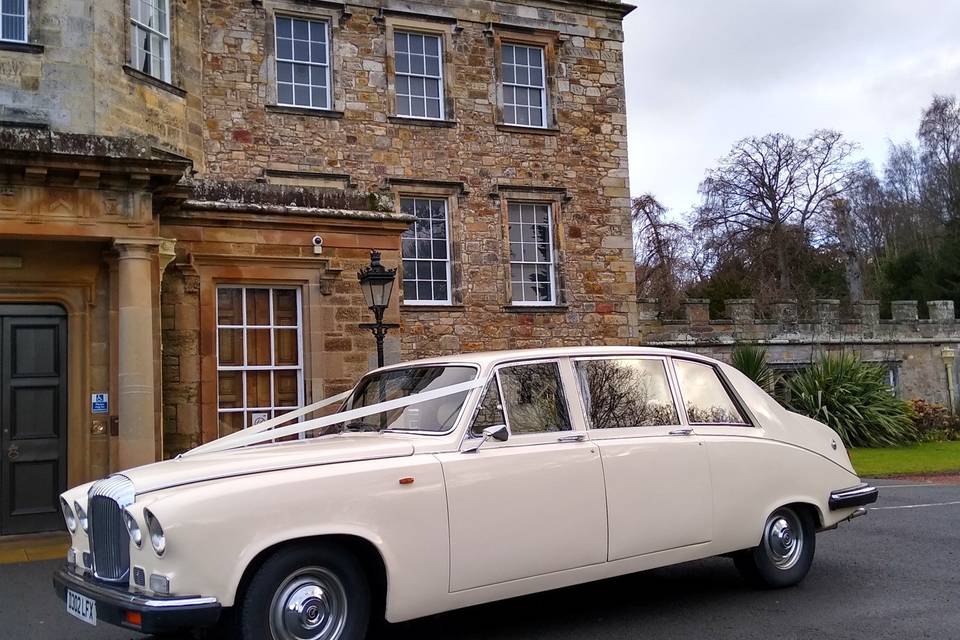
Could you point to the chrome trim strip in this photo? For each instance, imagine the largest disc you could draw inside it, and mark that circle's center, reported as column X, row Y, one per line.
column 121, row 598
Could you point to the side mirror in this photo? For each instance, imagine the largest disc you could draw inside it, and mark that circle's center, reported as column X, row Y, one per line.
column 499, row 432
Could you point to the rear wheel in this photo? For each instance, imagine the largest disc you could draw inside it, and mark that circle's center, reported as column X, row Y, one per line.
column 785, row 553
column 307, row 592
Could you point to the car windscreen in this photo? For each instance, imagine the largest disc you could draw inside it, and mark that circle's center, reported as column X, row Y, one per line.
column 435, row 416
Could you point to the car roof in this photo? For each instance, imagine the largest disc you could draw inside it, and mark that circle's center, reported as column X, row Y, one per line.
column 486, row 359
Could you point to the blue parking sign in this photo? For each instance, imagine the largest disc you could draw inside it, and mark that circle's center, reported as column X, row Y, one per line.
column 99, row 403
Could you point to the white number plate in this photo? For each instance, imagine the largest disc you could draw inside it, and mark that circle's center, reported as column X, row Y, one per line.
column 82, row 607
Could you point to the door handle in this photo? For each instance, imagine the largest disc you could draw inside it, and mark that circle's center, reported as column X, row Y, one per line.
column 577, row 437
column 13, row 452
column 682, row 432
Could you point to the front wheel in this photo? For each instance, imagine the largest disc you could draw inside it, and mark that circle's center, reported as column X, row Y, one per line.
column 307, row 592
column 785, row 553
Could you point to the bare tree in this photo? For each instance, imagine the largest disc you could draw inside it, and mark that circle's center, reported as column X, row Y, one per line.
column 939, row 135
column 775, row 182
column 658, row 245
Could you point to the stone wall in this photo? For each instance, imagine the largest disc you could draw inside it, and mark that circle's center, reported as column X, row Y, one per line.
column 73, row 76
column 917, row 352
column 580, row 165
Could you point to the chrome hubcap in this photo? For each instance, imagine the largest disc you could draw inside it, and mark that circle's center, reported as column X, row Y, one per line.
column 783, row 539
column 311, row 604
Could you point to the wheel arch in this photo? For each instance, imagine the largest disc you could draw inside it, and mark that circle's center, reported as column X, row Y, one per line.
column 366, row 551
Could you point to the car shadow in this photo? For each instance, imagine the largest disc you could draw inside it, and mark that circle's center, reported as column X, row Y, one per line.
column 603, row 606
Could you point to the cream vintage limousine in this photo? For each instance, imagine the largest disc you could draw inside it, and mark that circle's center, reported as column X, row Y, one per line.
column 450, row 482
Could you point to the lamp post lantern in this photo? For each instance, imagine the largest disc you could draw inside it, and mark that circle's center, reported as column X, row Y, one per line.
column 376, row 282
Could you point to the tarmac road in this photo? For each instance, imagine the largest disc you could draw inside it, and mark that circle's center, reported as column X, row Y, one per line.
column 893, row 574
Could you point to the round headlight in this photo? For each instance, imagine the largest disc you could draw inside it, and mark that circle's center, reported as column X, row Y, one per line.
column 133, row 529
column 81, row 515
column 157, row 538
column 68, row 516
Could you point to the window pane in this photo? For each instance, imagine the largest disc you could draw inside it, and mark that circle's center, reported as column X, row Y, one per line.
column 490, row 411
column 258, row 347
column 230, row 306
column 286, row 389
column 258, row 389
column 285, row 307
column 287, row 347
column 231, row 423
column 231, row 347
column 534, row 400
column 626, row 393
column 230, row 390
column 258, row 307
column 706, row 399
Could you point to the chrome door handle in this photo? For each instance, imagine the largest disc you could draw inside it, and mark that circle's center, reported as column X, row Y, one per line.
column 577, row 437
column 13, row 452
column 682, row 432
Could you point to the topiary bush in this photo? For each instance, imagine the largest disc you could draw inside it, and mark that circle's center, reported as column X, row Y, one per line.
column 853, row 398
column 933, row 422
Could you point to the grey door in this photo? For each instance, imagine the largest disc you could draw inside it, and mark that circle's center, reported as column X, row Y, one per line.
column 33, row 417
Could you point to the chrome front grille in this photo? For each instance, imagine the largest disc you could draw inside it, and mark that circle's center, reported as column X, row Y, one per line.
column 109, row 540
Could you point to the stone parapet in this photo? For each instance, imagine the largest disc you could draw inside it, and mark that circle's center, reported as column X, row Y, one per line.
column 781, row 323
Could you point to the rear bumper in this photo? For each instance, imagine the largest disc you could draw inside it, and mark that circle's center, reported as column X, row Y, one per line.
column 157, row 614
column 858, row 496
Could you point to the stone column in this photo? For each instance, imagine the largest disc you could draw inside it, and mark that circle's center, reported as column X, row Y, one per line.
column 136, row 387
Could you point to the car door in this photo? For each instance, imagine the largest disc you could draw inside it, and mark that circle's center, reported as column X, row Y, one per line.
column 656, row 468
column 534, row 504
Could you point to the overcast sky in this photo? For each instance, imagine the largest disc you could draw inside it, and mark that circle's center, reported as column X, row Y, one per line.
column 702, row 74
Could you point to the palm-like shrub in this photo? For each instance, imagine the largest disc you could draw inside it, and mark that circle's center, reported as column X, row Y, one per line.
column 854, row 399
column 751, row 361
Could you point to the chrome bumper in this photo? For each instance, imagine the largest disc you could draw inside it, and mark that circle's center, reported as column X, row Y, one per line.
column 157, row 614
column 858, row 496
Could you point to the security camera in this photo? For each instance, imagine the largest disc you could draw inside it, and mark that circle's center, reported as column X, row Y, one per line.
column 317, row 245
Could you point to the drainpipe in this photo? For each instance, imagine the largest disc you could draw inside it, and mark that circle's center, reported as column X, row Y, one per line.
column 949, row 357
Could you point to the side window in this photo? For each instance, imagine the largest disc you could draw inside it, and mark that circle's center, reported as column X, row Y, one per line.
column 490, row 411
column 632, row 392
column 533, row 398
column 706, row 399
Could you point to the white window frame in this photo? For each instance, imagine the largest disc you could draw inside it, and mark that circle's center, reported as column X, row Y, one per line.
column 449, row 259
column 136, row 26
column 243, row 369
column 440, row 78
column 328, row 33
column 553, row 256
column 26, row 23
column 544, row 97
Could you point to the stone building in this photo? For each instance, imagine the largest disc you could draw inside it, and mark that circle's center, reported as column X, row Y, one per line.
column 920, row 355
column 165, row 168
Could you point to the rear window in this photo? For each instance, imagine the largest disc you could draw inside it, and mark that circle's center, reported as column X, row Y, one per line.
column 704, row 396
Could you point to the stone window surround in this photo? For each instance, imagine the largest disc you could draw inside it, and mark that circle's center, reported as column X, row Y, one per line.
column 135, row 26
column 451, row 192
column 331, row 15
column 173, row 82
column 446, row 31
column 212, row 275
column 549, row 42
column 557, row 199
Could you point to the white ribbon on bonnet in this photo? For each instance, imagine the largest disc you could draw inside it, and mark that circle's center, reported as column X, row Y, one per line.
column 271, row 429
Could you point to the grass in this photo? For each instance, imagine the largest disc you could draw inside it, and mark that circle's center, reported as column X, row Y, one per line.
column 926, row 458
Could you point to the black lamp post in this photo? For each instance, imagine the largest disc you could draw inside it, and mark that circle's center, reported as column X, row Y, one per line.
column 376, row 282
